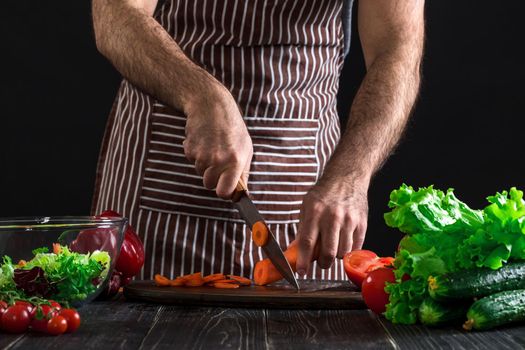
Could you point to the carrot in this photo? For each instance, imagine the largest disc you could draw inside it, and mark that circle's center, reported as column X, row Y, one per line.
column 194, row 283
column 193, row 280
column 214, row 277
column 260, row 233
column 242, row 280
column 57, row 248
column 225, row 285
column 161, row 281
column 264, row 271
column 192, row 276
column 177, row 282
column 22, row 263
column 226, row 281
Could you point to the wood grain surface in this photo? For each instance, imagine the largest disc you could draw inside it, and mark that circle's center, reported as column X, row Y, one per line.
column 313, row 295
column 325, row 330
column 121, row 324
column 454, row 337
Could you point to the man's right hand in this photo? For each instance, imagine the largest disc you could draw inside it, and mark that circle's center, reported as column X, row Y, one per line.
column 217, row 141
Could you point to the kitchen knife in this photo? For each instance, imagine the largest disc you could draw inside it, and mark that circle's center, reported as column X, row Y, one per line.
column 271, row 248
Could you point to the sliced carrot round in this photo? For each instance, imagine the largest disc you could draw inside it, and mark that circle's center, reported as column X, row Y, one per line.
column 194, row 283
column 242, row 280
column 177, row 282
column 161, row 281
column 197, row 275
column 193, row 280
column 225, row 285
column 226, row 281
column 260, row 233
column 214, row 277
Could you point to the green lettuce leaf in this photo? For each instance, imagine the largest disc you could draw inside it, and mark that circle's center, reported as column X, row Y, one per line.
column 419, row 264
column 501, row 238
column 430, row 210
column 6, row 274
column 405, row 298
column 73, row 273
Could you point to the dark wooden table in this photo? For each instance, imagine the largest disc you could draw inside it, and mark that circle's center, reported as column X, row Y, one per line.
column 124, row 325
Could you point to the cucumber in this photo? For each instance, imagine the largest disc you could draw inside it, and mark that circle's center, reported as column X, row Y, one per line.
column 479, row 282
column 433, row 313
column 496, row 310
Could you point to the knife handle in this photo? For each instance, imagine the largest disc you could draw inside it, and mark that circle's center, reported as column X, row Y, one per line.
column 239, row 189
column 241, row 186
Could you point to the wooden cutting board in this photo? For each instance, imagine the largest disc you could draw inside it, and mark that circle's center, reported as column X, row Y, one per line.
column 313, row 295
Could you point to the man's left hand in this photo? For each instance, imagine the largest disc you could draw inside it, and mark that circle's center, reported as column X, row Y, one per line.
column 333, row 222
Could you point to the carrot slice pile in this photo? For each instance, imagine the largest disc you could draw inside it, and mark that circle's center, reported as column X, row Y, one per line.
column 243, row 281
column 177, row 282
column 226, row 281
column 214, row 277
column 193, row 280
column 162, row 281
column 217, row 280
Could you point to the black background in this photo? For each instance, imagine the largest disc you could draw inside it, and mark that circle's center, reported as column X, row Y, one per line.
column 466, row 132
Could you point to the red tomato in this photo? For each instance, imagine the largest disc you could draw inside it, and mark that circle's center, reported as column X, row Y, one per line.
column 40, row 316
column 359, row 262
column 55, row 305
column 16, row 319
column 3, row 306
column 110, row 214
column 373, row 289
column 380, row 262
column 131, row 257
column 356, row 263
column 56, row 325
column 27, row 305
column 72, row 317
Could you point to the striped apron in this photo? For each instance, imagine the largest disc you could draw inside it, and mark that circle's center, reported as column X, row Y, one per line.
column 281, row 61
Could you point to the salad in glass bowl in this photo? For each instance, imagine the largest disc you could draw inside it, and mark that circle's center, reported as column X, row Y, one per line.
column 66, row 259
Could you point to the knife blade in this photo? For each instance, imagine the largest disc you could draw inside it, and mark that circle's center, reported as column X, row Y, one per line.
column 250, row 214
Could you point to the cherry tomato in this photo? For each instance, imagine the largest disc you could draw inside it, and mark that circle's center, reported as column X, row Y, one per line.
column 373, row 289
column 56, row 325
column 55, row 305
column 72, row 317
column 16, row 319
column 40, row 316
column 27, row 304
column 3, row 306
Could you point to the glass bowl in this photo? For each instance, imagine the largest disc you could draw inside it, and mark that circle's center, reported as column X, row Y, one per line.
column 75, row 270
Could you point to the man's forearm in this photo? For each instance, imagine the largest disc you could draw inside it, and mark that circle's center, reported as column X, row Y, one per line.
column 145, row 54
column 378, row 116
